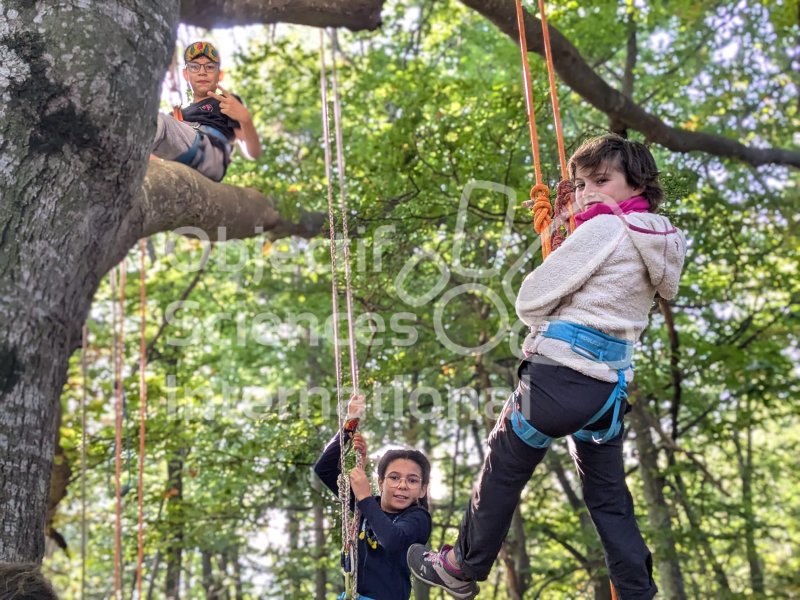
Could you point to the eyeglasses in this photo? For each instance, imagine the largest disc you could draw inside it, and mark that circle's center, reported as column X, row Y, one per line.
column 412, row 481
column 208, row 67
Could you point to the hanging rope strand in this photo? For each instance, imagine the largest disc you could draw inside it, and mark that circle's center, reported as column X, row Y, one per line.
column 142, row 407
column 118, row 319
column 348, row 530
column 84, row 437
column 540, row 193
column 564, row 196
column 348, row 292
column 551, row 76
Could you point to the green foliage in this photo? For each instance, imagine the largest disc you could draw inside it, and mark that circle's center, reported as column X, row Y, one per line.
column 241, row 383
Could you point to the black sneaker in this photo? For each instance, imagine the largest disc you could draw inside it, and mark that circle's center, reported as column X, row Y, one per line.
column 430, row 567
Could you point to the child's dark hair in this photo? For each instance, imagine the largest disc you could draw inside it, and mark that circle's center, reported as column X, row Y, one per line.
column 404, row 454
column 631, row 157
column 24, row 581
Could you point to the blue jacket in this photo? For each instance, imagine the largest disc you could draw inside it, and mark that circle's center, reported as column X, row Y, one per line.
column 382, row 572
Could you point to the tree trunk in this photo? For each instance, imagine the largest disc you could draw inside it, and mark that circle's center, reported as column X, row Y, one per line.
column 592, row 558
column 293, row 531
column 745, row 458
column 174, row 553
column 237, row 574
column 515, row 558
column 665, row 555
column 208, row 575
column 73, row 150
column 75, row 134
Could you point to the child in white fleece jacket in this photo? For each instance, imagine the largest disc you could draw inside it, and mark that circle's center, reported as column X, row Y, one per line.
column 586, row 306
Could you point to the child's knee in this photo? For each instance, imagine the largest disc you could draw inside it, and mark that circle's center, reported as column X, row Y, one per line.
column 160, row 128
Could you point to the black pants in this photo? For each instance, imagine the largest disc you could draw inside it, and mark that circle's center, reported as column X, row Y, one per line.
column 557, row 401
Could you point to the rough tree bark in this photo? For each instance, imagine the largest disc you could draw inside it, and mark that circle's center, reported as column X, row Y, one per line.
column 71, row 157
column 174, row 196
column 354, row 14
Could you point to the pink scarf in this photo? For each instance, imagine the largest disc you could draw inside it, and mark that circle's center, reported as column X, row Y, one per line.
column 635, row 204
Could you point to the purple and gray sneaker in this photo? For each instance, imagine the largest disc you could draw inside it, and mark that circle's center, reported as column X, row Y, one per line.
column 431, row 567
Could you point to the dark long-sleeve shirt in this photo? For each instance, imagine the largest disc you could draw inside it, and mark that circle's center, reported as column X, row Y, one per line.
column 382, row 571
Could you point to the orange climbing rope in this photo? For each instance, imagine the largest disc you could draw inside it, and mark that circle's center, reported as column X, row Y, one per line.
column 540, row 193
column 564, row 193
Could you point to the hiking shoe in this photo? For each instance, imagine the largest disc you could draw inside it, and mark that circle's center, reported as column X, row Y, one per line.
column 431, row 567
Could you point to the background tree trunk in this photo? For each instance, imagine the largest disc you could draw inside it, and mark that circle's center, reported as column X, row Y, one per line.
column 174, row 552
column 665, row 556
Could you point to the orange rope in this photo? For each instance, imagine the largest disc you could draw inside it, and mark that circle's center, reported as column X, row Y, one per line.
column 540, row 193
column 551, row 75
column 142, row 407
column 548, row 55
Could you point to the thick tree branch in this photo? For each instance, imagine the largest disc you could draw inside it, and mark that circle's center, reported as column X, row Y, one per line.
column 578, row 75
column 174, row 196
column 356, row 15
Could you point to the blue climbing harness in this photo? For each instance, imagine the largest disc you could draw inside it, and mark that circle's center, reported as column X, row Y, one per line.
column 343, row 596
column 194, row 155
column 598, row 347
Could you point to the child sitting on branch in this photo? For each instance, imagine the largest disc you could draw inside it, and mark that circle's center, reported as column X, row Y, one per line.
column 202, row 134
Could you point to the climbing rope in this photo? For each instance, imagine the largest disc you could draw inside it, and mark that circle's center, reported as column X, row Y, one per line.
column 540, row 193
column 118, row 319
column 142, row 407
column 543, row 219
column 349, row 522
column 564, row 192
column 84, row 398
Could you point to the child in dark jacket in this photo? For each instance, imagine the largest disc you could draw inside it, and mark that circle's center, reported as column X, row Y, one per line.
column 390, row 522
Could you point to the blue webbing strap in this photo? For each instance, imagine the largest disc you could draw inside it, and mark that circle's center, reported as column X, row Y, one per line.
column 618, row 395
column 190, row 158
column 522, row 427
column 590, row 343
column 598, row 347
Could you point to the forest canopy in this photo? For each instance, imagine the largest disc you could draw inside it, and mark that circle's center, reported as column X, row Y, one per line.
column 241, row 377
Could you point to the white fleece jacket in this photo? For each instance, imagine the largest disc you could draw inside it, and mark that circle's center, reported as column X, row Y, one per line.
column 605, row 276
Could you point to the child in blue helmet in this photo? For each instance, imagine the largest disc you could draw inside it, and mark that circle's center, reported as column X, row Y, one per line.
column 203, row 135
column 586, row 305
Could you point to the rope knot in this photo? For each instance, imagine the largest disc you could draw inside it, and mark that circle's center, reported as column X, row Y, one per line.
column 542, row 209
